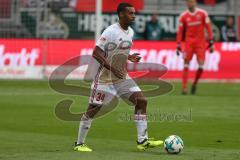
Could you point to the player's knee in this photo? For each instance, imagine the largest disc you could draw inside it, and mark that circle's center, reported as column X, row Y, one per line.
column 186, row 61
column 200, row 64
column 201, row 67
column 186, row 65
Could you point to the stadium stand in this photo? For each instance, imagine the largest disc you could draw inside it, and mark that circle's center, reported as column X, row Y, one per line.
column 14, row 22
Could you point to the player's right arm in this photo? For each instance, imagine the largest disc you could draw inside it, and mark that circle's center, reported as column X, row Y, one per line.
column 100, row 53
column 180, row 34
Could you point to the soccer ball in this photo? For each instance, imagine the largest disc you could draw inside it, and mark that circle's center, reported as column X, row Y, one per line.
column 173, row 144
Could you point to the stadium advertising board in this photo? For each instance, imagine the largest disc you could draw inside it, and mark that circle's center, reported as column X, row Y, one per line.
column 25, row 58
column 74, row 25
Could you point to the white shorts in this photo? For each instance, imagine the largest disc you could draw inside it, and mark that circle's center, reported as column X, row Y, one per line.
column 103, row 94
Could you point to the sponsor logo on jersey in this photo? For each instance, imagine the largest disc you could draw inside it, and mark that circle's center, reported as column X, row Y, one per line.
column 194, row 23
column 103, row 39
column 198, row 16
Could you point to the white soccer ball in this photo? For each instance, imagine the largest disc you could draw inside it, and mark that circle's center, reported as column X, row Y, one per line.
column 173, row 144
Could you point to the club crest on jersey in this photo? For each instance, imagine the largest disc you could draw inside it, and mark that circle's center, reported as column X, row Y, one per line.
column 103, row 39
column 198, row 16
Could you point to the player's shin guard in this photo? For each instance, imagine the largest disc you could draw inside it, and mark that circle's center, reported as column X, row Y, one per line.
column 141, row 123
column 85, row 125
column 185, row 78
column 198, row 75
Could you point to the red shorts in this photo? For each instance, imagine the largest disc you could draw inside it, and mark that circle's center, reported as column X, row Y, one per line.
column 190, row 50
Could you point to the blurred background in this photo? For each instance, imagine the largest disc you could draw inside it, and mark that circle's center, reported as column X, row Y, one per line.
column 38, row 35
column 76, row 19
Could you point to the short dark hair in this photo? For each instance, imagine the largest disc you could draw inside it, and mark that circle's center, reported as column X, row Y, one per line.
column 122, row 6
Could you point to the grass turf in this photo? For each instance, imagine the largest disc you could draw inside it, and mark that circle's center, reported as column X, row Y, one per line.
column 30, row 130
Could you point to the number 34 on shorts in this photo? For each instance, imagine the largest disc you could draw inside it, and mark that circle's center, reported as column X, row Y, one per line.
column 100, row 96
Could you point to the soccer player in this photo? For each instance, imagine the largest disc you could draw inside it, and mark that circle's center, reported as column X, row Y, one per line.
column 112, row 52
column 193, row 23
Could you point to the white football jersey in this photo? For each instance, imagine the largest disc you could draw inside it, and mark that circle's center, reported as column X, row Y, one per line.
column 116, row 44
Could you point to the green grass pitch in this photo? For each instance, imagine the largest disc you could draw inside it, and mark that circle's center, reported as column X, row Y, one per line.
column 29, row 129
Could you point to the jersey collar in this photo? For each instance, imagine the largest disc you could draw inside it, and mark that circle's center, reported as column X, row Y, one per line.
column 125, row 31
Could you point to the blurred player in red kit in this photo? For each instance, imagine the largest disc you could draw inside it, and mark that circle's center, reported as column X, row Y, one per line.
column 192, row 25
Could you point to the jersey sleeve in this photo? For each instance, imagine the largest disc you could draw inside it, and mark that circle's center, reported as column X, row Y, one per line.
column 104, row 39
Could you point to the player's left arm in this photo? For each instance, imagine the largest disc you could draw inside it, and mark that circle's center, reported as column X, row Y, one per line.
column 136, row 56
column 180, row 32
column 208, row 26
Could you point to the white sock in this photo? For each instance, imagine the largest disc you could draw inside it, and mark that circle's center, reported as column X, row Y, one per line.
column 141, row 123
column 85, row 125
